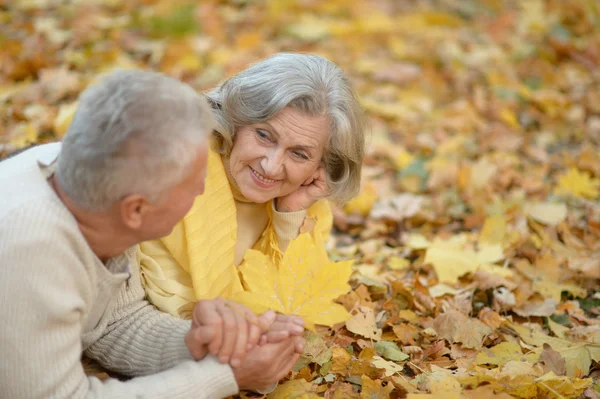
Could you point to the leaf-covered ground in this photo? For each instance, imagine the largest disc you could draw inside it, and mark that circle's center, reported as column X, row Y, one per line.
column 477, row 232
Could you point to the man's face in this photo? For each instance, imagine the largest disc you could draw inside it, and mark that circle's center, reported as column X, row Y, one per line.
column 161, row 217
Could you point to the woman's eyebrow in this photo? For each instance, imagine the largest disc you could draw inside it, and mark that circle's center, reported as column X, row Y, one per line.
column 304, row 147
column 273, row 130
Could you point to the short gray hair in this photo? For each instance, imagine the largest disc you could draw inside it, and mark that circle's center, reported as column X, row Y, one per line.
column 135, row 132
column 306, row 82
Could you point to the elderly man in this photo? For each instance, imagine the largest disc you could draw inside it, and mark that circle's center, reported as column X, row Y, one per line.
column 128, row 170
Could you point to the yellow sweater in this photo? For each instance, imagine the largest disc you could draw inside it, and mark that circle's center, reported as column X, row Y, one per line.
column 196, row 261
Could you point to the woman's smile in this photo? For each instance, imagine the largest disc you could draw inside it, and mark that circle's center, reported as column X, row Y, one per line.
column 261, row 180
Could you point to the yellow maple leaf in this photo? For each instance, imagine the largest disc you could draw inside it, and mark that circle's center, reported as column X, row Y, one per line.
column 578, row 184
column 305, row 284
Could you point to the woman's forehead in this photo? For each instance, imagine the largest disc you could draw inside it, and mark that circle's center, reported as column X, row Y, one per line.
column 300, row 128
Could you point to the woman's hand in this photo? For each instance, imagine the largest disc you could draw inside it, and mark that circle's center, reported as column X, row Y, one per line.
column 312, row 190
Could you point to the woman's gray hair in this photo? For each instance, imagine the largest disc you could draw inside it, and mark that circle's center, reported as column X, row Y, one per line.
column 309, row 83
column 135, row 132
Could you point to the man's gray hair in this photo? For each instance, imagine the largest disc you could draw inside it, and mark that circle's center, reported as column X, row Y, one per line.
column 135, row 132
column 309, row 83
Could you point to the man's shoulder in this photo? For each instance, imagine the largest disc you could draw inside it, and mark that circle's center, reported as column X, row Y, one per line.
column 22, row 183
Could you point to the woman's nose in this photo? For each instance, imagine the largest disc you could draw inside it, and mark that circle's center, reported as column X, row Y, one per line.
column 272, row 164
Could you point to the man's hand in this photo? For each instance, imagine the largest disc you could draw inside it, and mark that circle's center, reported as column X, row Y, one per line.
column 266, row 365
column 282, row 328
column 226, row 330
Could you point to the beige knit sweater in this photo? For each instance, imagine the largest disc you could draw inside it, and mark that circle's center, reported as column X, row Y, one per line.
column 57, row 299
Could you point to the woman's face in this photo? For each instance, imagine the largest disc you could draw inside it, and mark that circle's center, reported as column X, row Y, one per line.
column 272, row 159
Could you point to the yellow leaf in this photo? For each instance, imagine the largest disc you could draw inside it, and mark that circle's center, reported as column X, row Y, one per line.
column 547, row 213
column 552, row 289
column 390, row 368
column 417, row 241
column 494, row 230
column 445, row 384
column 450, row 264
column 550, row 384
column 364, row 202
column 401, row 158
column 503, row 353
column 507, row 116
column 441, row 289
column 558, row 329
column 578, row 355
column 293, row 389
column 341, row 360
column 481, row 173
column 397, row 263
column 578, row 184
column 309, row 28
column 24, row 135
column 372, row 389
column 305, row 284
column 64, row 118
column 363, row 323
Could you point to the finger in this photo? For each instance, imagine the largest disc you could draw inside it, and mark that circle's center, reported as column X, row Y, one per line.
column 197, row 340
column 299, row 345
column 294, row 325
column 229, row 333
column 254, row 336
column 273, row 337
column 205, row 314
column 266, row 319
column 254, row 328
column 241, row 340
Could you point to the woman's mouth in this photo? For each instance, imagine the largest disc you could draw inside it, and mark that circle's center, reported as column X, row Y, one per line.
column 262, row 179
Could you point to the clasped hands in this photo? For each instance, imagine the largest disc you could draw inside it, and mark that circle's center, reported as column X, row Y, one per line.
column 260, row 349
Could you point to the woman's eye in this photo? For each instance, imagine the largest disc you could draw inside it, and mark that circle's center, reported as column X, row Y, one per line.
column 263, row 135
column 301, row 155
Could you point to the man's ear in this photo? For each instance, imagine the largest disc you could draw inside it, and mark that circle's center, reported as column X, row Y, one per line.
column 133, row 209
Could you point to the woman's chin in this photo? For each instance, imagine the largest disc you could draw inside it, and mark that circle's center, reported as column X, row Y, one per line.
column 257, row 196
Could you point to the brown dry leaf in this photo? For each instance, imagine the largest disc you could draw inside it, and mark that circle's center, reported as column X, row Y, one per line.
column 406, row 333
column 342, row 390
column 456, row 327
column 545, row 308
column 363, row 323
column 552, row 361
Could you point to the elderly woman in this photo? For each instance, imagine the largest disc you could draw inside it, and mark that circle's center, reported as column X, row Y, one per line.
column 289, row 137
